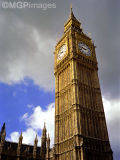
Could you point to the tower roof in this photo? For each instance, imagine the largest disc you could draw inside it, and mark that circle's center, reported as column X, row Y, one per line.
column 71, row 16
column 72, row 21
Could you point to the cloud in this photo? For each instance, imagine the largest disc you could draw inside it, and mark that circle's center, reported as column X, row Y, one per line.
column 24, row 116
column 38, row 117
column 27, row 41
column 24, row 51
column 14, row 137
column 112, row 112
column 28, row 136
column 30, row 105
column 35, row 123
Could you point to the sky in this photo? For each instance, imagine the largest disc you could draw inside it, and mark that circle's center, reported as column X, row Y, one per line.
column 27, row 41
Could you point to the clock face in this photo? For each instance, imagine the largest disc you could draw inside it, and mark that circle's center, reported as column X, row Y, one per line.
column 84, row 48
column 62, row 52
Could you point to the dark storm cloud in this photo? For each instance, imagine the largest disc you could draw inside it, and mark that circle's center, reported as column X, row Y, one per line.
column 27, row 43
column 101, row 18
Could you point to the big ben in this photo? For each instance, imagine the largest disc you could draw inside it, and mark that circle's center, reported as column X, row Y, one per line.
column 80, row 125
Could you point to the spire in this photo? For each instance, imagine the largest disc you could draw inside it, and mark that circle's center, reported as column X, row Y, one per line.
column 43, row 143
column 20, row 139
column 44, row 126
column 36, row 140
column 2, row 138
column 71, row 13
column 3, row 133
column 35, row 147
column 48, row 141
column 19, row 145
column 3, row 127
column 44, row 130
column 72, row 22
column 48, row 148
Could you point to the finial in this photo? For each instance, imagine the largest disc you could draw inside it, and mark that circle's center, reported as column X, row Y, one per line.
column 36, row 137
column 44, row 125
column 36, row 140
column 71, row 13
column 44, row 130
column 21, row 134
column 70, row 8
column 21, row 137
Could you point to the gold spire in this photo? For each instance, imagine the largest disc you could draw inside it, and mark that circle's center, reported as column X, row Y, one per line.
column 72, row 21
column 71, row 13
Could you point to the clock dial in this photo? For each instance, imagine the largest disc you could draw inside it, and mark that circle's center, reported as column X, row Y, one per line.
column 62, row 52
column 84, row 48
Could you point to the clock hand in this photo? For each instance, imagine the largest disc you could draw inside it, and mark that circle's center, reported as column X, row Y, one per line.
column 84, row 48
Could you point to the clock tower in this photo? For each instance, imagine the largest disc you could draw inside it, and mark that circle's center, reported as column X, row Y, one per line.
column 80, row 125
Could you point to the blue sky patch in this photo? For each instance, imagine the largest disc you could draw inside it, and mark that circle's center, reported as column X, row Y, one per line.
column 18, row 99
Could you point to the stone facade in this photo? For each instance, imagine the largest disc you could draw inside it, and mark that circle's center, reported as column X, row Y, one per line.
column 80, row 125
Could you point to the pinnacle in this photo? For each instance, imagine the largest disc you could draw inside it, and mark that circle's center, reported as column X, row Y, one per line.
column 44, row 125
column 71, row 13
column 48, row 136
column 36, row 139
column 21, row 135
column 3, row 127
